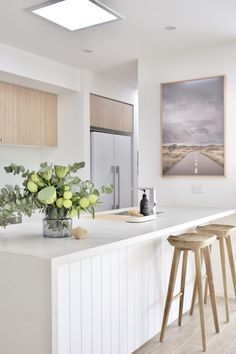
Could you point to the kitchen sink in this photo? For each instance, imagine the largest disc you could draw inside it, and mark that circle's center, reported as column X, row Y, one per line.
column 126, row 212
column 121, row 213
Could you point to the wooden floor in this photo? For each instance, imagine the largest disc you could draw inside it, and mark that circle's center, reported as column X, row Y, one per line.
column 187, row 339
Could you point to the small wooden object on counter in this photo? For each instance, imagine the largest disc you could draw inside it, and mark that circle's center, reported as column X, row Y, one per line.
column 79, row 233
column 197, row 243
column 134, row 213
column 111, row 217
column 223, row 236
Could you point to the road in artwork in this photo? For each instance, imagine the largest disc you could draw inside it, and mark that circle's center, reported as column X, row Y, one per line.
column 195, row 163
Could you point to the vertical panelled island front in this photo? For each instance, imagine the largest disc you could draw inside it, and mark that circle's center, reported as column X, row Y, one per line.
column 101, row 295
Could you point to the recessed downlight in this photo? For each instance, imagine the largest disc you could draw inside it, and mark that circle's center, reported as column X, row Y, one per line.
column 170, row 28
column 74, row 14
column 88, row 51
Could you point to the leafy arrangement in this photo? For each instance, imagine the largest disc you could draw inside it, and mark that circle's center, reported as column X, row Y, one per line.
column 52, row 190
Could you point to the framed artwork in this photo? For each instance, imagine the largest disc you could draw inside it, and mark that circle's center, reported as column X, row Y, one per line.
column 192, row 125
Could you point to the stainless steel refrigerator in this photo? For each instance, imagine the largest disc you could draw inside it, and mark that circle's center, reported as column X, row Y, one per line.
column 111, row 162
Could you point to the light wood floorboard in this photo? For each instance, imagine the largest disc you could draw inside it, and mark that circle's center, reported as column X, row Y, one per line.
column 187, row 338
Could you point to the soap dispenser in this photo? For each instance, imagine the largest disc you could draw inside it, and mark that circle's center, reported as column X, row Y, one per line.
column 144, row 205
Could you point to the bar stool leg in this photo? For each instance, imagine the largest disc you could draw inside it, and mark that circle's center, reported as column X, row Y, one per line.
column 200, row 296
column 206, row 291
column 222, row 255
column 173, row 273
column 211, row 287
column 231, row 261
column 206, row 285
column 182, row 287
column 194, row 296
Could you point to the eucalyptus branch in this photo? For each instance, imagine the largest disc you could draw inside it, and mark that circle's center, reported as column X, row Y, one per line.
column 52, row 190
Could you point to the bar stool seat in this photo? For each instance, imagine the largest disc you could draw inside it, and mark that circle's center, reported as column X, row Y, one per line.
column 197, row 243
column 220, row 230
column 223, row 233
column 191, row 240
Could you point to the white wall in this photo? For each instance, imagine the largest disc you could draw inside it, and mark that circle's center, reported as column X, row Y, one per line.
column 23, row 68
column 73, row 88
column 101, row 85
column 74, row 118
column 70, row 146
column 70, row 142
column 29, row 158
column 219, row 191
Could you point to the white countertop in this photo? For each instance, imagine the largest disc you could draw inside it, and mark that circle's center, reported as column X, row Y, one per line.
column 27, row 239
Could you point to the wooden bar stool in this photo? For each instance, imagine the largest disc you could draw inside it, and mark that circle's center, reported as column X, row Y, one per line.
column 196, row 243
column 223, row 236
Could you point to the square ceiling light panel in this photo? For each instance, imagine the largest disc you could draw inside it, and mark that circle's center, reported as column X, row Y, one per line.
column 76, row 14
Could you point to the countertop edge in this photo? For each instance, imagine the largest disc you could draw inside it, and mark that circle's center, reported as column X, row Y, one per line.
column 72, row 257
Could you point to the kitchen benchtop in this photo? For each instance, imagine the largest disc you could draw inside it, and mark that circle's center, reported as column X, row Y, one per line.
column 103, row 235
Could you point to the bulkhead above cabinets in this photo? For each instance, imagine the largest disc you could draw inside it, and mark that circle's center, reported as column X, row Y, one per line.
column 109, row 114
column 27, row 116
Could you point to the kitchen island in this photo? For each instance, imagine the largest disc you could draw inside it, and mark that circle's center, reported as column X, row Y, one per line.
column 102, row 294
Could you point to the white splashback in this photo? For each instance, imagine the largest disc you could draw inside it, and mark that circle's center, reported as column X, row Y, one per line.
column 28, row 157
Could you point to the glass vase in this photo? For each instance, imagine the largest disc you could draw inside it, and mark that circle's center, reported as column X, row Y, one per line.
column 57, row 228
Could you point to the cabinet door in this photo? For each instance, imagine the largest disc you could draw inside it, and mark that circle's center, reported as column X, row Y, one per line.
column 8, row 114
column 111, row 162
column 38, row 122
column 29, row 124
column 123, row 161
column 100, row 112
column 102, row 160
column 50, row 128
column 27, row 117
column 111, row 114
column 122, row 117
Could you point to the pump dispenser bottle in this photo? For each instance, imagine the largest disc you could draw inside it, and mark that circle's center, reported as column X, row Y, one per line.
column 144, row 205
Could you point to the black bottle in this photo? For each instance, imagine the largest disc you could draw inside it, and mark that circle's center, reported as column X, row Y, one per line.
column 144, row 205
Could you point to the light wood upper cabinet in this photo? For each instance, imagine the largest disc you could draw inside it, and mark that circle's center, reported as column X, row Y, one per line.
column 27, row 116
column 110, row 114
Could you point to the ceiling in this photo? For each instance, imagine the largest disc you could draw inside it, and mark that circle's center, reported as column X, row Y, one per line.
column 117, row 46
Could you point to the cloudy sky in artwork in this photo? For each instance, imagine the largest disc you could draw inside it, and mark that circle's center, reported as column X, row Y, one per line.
column 193, row 112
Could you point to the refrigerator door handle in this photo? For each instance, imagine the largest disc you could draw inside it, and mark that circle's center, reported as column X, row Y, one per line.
column 113, row 170
column 118, row 186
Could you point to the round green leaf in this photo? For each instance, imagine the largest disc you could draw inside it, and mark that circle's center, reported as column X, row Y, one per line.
column 47, row 195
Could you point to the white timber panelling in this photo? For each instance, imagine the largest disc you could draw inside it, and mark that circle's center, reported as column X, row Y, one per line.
column 151, row 294
column 138, row 285
column 75, row 308
column 114, row 301
column 106, row 304
column 86, row 305
column 131, row 303
column 64, row 322
column 124, row 303
column 115, row 304
column 97, row 304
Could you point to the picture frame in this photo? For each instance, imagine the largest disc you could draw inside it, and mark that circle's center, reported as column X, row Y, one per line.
column 193, row 127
